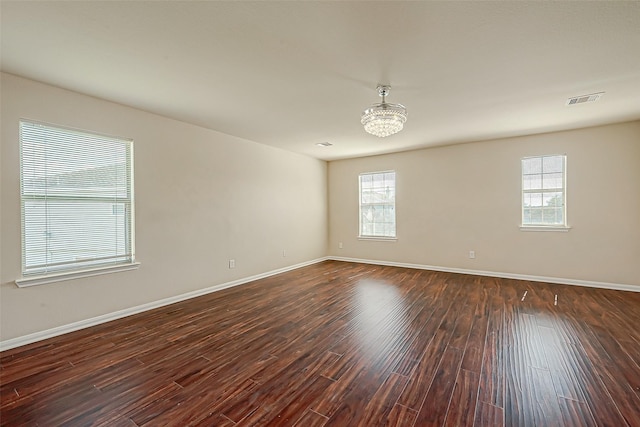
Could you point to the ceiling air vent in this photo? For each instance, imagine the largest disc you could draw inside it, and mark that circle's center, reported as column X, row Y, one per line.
column 324, row 144
column 584, row 98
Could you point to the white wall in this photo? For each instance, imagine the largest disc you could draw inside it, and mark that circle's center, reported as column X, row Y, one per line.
column 201, row 198
column 454, row 199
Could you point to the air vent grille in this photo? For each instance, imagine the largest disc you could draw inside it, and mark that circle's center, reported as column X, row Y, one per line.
column 584, row 98
column 324, row 144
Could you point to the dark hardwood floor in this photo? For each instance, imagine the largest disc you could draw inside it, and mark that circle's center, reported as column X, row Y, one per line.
column 343, row 344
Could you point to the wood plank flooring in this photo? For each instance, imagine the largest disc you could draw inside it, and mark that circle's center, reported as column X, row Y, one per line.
column 344, row 344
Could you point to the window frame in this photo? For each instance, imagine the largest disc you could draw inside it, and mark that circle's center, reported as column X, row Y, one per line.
column 540, row 226
column 362, row 236
column 52, row 271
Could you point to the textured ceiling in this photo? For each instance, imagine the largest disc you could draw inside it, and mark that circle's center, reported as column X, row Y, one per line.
column 293, row 74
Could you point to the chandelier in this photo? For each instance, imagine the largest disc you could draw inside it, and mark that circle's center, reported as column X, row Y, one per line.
column 384, row 119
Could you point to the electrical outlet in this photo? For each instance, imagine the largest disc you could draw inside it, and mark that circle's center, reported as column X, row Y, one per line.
column 284, row 253
column 340, row 245
column 472, row 254
column 232, row 263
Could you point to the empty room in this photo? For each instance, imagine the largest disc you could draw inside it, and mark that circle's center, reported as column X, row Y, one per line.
column 367, row 213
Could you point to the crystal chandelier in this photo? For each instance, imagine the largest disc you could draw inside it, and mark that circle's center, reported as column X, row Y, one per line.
column 384, row 119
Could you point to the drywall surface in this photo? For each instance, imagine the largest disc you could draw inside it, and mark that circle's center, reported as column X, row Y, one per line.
column 455, row 199
column 201, row 199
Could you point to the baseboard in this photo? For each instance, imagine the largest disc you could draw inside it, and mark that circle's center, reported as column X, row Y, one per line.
column 75, row 326
column 557, row 280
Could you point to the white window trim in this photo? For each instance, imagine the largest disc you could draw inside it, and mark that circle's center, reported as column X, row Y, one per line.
column 382, row 238
column 374, row 238
column 561, row 228
column 77, row 274
column 544, row 227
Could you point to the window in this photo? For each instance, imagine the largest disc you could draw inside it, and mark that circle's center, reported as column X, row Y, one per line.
column 76, row 200
column 378, row 204
column 543, row 191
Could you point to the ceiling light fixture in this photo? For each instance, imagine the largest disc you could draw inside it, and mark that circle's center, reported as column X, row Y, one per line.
column 384, row 119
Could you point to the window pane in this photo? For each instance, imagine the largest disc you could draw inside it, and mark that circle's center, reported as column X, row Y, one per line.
column 390, row 180
column 532, row 182
column 552, row 216
column 389, row 214
column 366, row 181
column 377, row 215
column 392, row 229
column 552, row 180
column 378, row 181
column 559, row 215
column 536, row 216
column 367, row 213
column 551, row 164
column 552, row 199
column 533, row 199
column 532, row 165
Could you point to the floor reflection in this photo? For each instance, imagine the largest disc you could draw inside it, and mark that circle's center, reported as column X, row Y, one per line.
column 380, row 316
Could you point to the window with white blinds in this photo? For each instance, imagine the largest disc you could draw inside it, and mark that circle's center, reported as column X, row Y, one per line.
column 76, row 199
column 378, row 204
column 543, row 191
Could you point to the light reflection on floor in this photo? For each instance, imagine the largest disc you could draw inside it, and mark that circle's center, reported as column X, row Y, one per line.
column 380, row 316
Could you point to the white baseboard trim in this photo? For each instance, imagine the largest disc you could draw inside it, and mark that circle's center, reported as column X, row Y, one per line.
column 557, row 280
column 75, row 326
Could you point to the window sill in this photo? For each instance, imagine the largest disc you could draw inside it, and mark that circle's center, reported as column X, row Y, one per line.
column 68, row 275
column 561, row 228
column 380, row 238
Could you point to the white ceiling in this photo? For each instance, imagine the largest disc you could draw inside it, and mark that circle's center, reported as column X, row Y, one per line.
column 293, row 74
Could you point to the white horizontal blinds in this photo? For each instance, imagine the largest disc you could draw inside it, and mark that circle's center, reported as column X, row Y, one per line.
column 543, row 190
column 378, row 204
column 77, row 209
